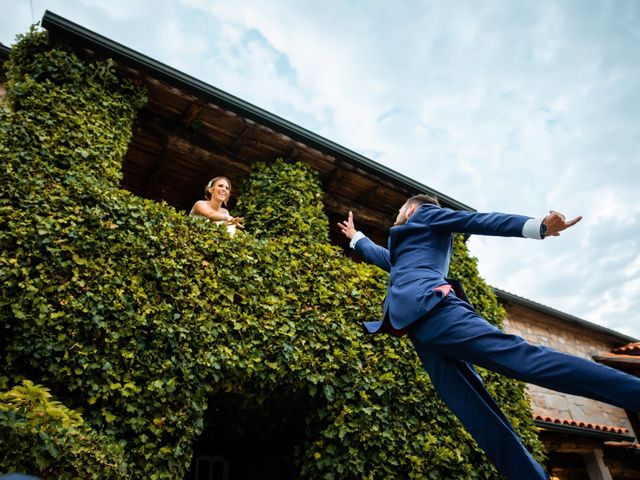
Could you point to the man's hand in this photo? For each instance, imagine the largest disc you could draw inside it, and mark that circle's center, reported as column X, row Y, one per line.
column 555, row 223
column 347, row 227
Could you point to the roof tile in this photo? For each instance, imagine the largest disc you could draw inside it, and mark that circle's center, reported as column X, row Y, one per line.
column 573, row 423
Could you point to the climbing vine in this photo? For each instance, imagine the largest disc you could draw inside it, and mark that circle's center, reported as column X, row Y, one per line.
column 142, row 323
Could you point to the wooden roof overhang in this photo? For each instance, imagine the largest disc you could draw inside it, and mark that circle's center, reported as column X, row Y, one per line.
column 190, row 131
column 627, row 363
column 622, row 460
column 566, row 445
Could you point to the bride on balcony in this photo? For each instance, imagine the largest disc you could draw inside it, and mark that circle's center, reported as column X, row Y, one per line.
column 216, row 194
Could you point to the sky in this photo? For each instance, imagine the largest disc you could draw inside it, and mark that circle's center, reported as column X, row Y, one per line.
column 518, row 107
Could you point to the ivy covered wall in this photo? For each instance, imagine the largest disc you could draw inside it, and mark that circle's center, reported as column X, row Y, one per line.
column 138, row 318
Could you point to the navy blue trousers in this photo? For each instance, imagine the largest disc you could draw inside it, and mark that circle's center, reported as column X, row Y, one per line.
column 452, row 336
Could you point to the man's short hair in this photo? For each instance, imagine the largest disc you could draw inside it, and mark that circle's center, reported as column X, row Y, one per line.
column 422, row 199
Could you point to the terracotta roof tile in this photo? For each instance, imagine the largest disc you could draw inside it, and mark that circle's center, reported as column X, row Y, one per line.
column 629, row 349
column 573, row 423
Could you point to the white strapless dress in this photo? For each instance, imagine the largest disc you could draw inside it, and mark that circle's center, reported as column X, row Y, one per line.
column 230, row 228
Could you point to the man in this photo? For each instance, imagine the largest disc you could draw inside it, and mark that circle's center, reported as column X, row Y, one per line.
column 449, row 335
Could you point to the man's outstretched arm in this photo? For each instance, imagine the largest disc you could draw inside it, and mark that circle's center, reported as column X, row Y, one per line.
column 371, row 252
column 445, row 220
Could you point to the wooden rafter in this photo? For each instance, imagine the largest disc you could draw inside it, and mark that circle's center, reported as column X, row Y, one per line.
column 156, row 170
column 369, row 194
column 241, row 139
column 339, row 206
column 191, row 113
column 182, row 140
column 333, row 178
column 292, row 156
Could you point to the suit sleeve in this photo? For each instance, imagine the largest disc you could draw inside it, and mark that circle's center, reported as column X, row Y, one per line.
column 372, row 253
column 444, row 220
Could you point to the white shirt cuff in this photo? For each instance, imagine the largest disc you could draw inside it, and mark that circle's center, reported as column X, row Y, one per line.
column 531, row 228
column 357, row 236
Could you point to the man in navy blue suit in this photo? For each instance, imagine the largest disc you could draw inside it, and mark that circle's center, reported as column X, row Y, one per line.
column 449, row 335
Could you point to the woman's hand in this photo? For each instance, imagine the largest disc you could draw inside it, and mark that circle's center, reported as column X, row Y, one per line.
column 235, row 221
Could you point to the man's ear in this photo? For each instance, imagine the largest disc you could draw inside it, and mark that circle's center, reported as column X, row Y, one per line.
column 411, row 209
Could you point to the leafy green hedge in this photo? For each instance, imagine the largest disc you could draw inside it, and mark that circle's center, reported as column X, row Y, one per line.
column 142, row 318
column 284, row 200
column 36, row 431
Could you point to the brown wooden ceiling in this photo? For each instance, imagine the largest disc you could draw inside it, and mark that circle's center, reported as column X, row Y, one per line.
column 180, row 142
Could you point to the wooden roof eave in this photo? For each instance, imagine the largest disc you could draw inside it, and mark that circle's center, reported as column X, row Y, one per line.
column 618, row 360
column 84, row 38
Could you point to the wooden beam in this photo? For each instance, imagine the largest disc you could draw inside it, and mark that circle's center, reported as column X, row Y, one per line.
column 156, row 171
column 565, row 465
column 241, row 139
column 183, row 141
column 292, row 156
column 191, row 113
column 369, row 194
column 363, row 216
column 614, row 360
column 208, row 156
column 623, row 468
column 596, row 468
column 332, row 178
column 563, row 443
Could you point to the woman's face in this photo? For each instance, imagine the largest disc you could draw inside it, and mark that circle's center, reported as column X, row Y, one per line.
column 220, row 190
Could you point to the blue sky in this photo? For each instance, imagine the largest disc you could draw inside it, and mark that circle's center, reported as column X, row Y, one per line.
column 507, row 106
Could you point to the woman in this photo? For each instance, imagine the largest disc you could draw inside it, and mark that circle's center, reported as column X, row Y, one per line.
column 216, row 194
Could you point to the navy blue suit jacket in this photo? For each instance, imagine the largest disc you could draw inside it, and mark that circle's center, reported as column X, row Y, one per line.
column 418, row 257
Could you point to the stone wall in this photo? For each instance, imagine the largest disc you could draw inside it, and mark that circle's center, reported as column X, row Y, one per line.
column 541, row 329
